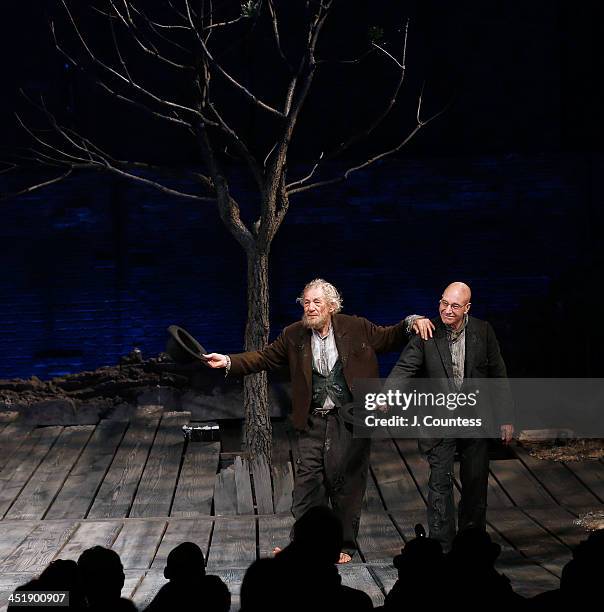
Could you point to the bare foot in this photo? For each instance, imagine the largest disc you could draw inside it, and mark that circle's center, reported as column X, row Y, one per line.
column 344, row 558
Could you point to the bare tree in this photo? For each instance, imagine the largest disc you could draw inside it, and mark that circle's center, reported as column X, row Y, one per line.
column 191, row 41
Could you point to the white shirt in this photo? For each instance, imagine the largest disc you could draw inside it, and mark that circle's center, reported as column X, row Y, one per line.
column 324, row 355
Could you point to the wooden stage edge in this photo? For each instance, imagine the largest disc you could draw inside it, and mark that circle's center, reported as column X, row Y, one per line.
column 140, row 488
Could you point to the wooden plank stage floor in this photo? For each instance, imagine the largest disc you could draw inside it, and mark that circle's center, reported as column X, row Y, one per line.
column 140, row 488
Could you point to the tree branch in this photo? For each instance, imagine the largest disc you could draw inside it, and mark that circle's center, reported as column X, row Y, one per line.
column 158, row 186
column 377, row 121
column 98, row 159
column 269, row 154
column 294, row 103
column 103, row 85
column 152, row 25
column 134, row 164
column 357, row 60
column 246, row 92
column 227, row 207
column 134, row 85
column 420, row 124
column 177, row 120
column 49, row 161
column 388, row 54
column 67, row 156
column 281, row 211
column 177, row 12
column 223, row 24
column 115, row 44
column 10, row 167
column 295, row 98
column 6, row 196
column 131, row 27
column 241, row 146
column 275, row 25
column 308, row 176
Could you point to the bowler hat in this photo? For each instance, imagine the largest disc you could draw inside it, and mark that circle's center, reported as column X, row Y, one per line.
column 182, row 347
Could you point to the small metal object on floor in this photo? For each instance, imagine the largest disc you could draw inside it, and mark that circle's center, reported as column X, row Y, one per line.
column 209, row 432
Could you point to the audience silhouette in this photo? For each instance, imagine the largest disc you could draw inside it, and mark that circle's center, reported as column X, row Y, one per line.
column 304, row 577
column 309, row 565
column 266, row 587
column 189, row 588
column 581, row 578
column 420, row 566
column 101, row 578
column 473, row 581
column 59, row 575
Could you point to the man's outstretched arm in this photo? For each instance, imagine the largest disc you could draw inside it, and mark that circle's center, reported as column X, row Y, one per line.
column 388, row 338
column 274, row 356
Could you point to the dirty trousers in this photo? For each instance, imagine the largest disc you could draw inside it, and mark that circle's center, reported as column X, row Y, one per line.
column 474, row 475
column 331, row 466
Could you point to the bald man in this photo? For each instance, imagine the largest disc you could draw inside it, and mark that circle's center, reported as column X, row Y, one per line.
column 462, row 347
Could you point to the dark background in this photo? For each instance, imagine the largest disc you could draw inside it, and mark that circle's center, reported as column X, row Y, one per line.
column 502, row 191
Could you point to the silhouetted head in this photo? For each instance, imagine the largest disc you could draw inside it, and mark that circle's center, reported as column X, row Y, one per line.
column 571, row 577
column 591, row 549
column 419, row 555
column 582, row 575
column 474, row 547
column 60, row 575
column 185, row 562
column 215, row 594
column 101, row 574
column 318, row 535
column 265, row 587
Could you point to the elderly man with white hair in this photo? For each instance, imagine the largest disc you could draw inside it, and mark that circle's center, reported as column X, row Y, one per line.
column 325, row 352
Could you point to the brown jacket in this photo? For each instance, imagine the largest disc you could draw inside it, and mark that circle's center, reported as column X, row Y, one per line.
column 358, row 340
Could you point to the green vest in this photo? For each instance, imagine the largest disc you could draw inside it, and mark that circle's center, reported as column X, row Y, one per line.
column 333, row 385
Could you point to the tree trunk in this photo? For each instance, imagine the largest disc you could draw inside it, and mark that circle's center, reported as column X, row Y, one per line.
column 257, row 434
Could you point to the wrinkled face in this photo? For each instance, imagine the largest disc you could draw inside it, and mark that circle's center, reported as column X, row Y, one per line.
column 317, row 311
column 453, row 305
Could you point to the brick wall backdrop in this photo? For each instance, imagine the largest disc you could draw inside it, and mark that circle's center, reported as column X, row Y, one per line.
column 95, row 266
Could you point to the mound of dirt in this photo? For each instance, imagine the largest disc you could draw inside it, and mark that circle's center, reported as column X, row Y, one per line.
column 577, row 449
